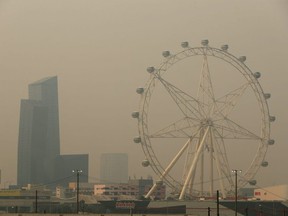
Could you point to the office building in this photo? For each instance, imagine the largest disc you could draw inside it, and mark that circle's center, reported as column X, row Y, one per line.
column 38, row 141
column 39, row 159
column 67, row 166
column 114, row 168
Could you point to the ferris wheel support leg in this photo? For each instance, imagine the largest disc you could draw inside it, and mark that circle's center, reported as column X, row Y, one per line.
column 191, row 182
column 202, row 173
column 211, row 165
column 151, row 190
column 199, row 150
column 220, row 175
column 169, row 167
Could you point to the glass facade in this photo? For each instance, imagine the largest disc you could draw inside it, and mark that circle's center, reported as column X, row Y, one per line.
column 39, row 140
column 39, row 159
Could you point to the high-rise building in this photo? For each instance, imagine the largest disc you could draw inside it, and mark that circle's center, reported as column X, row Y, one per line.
column 39, row 159
column 39, row 141
column 114, row 168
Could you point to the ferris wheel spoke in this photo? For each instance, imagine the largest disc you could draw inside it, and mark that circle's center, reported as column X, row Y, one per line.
column 205, row 91
column 227, row 129
column 226, row 103
column 186, row 103
column 182, row 128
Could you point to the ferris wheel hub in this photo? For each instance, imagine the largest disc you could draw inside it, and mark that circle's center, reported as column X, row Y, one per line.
column 207, row 122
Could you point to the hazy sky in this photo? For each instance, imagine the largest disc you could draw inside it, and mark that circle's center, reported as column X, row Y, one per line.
column 99, row 49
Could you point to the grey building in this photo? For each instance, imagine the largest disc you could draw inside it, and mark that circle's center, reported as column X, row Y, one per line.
column 65, row 164
column 39, row 159
column 114, row 168
column 38, row 141
column 31, row 144
column 142, row 184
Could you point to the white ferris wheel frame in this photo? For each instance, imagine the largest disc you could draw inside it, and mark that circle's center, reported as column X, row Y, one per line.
column 182, row 100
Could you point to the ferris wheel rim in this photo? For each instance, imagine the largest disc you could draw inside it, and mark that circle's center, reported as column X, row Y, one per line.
column 222, row 55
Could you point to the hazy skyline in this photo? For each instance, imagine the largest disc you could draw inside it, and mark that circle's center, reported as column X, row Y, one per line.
column 100, row 51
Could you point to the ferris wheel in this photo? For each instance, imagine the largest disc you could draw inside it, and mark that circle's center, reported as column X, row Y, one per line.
column 202, row 114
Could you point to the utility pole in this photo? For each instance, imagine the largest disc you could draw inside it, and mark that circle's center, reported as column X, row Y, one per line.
column 236, row 189
column 77, row 189
column 36, row 201
column 218, row 203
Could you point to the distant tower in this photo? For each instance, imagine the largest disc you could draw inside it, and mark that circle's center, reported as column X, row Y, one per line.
column 39, row 141
column 114, row 168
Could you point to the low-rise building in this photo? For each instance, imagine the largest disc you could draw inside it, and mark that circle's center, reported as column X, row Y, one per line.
column 135, row 189
column 278, row 192
column 85, row 188
column 142, row 185
column 23, row 200
column 114, row 191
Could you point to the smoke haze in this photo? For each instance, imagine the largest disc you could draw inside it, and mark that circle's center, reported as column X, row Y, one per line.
column 100, row 51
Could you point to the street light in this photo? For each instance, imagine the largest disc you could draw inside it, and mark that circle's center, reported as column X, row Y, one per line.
column 236, row 189
column 77, row 196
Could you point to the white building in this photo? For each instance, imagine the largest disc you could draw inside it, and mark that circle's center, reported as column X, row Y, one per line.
column 115, row 191
column 278, row 192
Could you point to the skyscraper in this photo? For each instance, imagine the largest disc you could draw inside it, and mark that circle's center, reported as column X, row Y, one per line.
column 114, row 168
column 39, row 141
column 39, row 159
